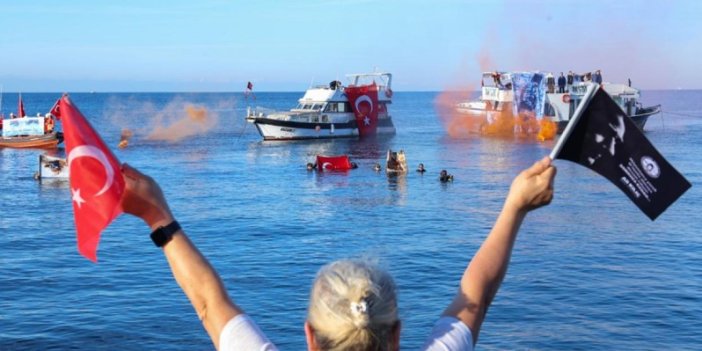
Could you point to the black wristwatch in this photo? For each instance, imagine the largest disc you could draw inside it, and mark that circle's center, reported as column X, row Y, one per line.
column 163, row 234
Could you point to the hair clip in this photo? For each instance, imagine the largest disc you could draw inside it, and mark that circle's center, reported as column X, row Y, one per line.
column 358, row 308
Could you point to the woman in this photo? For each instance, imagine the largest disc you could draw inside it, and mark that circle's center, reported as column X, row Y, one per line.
column 353, row 305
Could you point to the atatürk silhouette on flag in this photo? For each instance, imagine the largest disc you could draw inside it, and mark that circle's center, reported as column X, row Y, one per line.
column 600, row 136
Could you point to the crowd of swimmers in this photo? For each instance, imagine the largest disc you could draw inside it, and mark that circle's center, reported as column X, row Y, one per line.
column 444, row 176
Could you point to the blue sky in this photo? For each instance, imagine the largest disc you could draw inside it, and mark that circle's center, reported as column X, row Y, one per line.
column 212, row 45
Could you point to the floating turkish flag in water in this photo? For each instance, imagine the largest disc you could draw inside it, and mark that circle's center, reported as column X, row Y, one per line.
column 333, row 163
column 364, row 103
column 96, row 181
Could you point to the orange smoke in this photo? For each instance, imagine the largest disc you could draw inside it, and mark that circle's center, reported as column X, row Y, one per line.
column 456, row 124
column 547, row 129
column 192, row 121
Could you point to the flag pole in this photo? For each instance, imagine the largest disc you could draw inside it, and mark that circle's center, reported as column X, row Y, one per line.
column 591, row 89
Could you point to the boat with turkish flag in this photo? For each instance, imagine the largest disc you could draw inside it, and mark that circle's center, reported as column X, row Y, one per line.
column 332, row 111
column 29, row 132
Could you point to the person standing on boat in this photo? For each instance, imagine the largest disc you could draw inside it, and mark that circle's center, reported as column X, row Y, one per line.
column 550, row 83
column 597, row 77
column 561, row 84
column 353, row 304
column 569, row 82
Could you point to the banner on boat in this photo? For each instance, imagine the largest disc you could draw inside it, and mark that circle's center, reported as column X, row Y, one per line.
column 23, row 126
column 601, row 137
column 364, row 103
column 529, row 93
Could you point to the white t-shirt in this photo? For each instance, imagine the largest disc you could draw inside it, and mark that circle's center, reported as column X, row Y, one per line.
column 242, row 333
column 449, row 334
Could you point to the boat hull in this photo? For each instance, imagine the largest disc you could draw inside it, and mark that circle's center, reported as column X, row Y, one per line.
column 639, row 119
column 272, row 129
column 46, row 141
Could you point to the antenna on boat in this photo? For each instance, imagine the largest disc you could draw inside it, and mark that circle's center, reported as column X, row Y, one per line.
column 311, row 83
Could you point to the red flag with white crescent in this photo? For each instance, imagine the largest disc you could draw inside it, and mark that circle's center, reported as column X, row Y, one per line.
column 95, row 179
column 364, row 104
column 333, row 163
column 20, row 107
column 56, row 111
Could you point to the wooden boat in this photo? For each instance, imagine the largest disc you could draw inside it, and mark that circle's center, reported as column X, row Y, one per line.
column 30, row 132
column 46, row 141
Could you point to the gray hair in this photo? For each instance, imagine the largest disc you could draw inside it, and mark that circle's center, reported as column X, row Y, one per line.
column 353, row 306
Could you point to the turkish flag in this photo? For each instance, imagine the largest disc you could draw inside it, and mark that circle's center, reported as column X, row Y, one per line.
column 56, row 111
column 20, row 107
column 364, row 104
column 333, row 163
column 95, row 178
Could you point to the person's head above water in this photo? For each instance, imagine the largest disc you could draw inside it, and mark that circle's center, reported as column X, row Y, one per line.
column 353, row 306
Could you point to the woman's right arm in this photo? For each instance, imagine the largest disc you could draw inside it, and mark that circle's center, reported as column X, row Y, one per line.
column 197, row 278
column 531, row 189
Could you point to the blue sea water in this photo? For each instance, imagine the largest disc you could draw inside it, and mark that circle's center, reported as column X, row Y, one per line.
column 590, row 271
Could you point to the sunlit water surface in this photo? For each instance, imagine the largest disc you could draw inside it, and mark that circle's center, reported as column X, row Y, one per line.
column 588, row 272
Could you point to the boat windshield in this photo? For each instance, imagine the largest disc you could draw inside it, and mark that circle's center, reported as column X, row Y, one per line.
column 309, row 106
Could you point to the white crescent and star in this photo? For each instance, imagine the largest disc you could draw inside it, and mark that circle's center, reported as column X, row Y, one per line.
column 325, row 164
column 364, row 98
column 97, row 154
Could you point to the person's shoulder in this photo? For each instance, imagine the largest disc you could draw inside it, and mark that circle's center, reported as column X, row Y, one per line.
column 449, row 333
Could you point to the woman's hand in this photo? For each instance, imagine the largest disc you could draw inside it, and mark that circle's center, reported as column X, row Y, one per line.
column 533, row 187
column 143, row 198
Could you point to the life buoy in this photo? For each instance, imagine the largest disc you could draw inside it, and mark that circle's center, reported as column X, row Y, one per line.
column 566, row 98
column 388, row 92
column 48, row 124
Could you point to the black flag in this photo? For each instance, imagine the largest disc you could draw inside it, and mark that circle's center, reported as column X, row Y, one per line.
column 607, row 141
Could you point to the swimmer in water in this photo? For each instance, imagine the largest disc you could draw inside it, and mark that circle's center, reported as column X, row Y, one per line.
column 445, row 177
column 420, row 168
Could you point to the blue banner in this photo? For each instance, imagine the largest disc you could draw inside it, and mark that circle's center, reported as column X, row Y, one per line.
column 529, row 93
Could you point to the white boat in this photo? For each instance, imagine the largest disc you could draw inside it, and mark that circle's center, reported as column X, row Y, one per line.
column 496, row 96
column 497, row 99
column 564, row 105
column 52, row 167
column 328, row 112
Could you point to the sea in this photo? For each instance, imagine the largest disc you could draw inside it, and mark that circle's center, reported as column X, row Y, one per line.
column 588, row 272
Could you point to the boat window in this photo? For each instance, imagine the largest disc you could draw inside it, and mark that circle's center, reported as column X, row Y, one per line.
column 316, row 106
column 344, row 107
column 306, row 106
column 332, row 107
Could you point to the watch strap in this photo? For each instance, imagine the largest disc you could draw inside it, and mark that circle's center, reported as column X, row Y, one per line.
column 163, row 234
